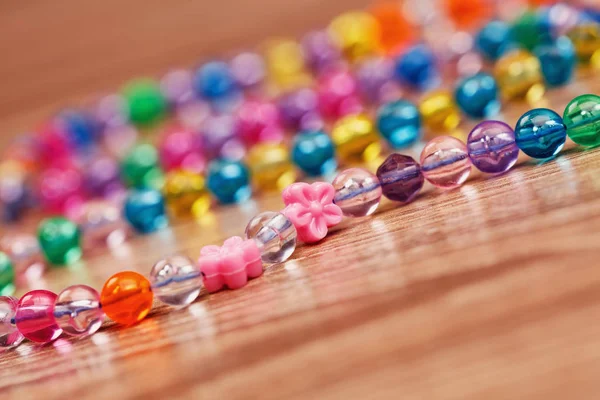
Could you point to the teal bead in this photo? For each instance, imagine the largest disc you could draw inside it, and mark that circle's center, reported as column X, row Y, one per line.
column 494, row 39
column 7, row 275
column 59, row 240
column 582, row 119
column 144, row 209
column 140, row 168
column 399, row 123
column 314, row 153
column 477, row 95
column 557, row 60
column 229, row 181
column 540, row 133
column 145, row 102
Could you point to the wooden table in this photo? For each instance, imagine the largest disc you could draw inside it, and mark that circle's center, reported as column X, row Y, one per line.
column 491, row 291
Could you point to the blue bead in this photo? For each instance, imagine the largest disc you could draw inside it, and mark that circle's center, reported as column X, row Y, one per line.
column 417, row 67
column 399, row 122
column 494, row 39
column 314, row 153
column 215, row 81
column 229, row 181
column 477, row 95
column 558, row 61
column 81, row 128
column 145, row 210
column 540, row 133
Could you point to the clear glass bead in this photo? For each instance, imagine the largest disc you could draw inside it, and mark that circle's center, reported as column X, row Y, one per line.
column 78, row 311
column 101, row 223
column 26, row 255
column 357, row 192
column 274, row 235
column 176, row 280
column 9, row 334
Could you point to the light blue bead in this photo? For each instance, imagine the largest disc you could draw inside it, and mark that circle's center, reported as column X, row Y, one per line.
column 145, row 210
column 540, row 133
column 417, row 67
column 215, row 81
column 558, row 61
column 229, row 181
column 494, row 39
column 314, row 153
column 477, row 95
column 399, row 123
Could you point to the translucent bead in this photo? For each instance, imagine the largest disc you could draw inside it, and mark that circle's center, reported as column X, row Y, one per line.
column 80, row 127
column 274, row 235
column 376, row 82
column 186, row 194
column 519, row 75
column 586, row 39
column 396, row 30
column 102, row 177
column 477, row 95
column 220, row 137
column 140, row 167
column 270, row 166
column 400, row 177
column 248, row 69
column 60, row 240
column 126, row 297
column 399, row 123
column 355, row 139
column 494, row 39
column 285, row 62
column 77, row 311
column 557, row 60
column 15, row 193
column 145, row 101
column 416, row 67
column 357, row 192
column 314, row 153
column 61, row 189
column 582, row 119
column 119, row 140
column 467, row 14
column 320, row 51
column 338, row 93
column 299, row 109
column 177, row 87
column 445, row 162
column 215, row 81
column 181, row 148
column 101, row 224
column 258, row 122
column 52, row 144
column 492, row 148
column 229, row 181
column 35, row 316
column 176, row 280
column 9, row 334
column 357, row 33
column 540, row 133
column 528, row 31
column 26, row 255
column 7, row 275
column 439, row 111
column 145, row 210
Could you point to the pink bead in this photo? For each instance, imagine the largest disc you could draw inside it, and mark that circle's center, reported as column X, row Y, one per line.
column 310, row 208
column 9, row 334
column 177, row 86
column 445, row 162
column 119, row 139
column 35, row 316
column 181, row 148
column 53, row 144
column 248, row 69
column 338, row 94
column 259, row 122
column 61, row 190
column 78, row 311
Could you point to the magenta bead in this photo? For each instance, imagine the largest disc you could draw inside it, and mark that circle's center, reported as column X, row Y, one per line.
column 35, row 316
column 181, row 148
column 78, row 311
column 248, row 69
column 376, row 81
column 300, row 110
column 259, row 122
column 320, row 51
column 9, row 334
column 220, row 137
column 492, row 148
column 338, row 94
column 61, row 189
column 53, row 144
column 445, row 162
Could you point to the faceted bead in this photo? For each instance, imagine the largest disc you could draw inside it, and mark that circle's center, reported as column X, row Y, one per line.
column 229, row 181
column 582, row 119
column 376, row 82
column 399, row 123
column 320, row 51
column 285, row 62
column 61, row 189
column 9, row 334
column 181, row 148
column 35, row 316
column 145, row 101
column 102, row 177
column 270, row 166
column 357, row 33
column 357, row 192
column 586, row 40
column 400, row 177
column 338, row 93
column 176, row 85
column 445, row 162
column 220, row 137
column 467, row 14
column 540, row 133
column 313, row 152
column 355, row 139
column 26, row 256
column 60, row 240
column 144, row 209
column 248, row 69
column 519, row 75
column 396, row 30
column 494, row 39
column 140, row 167
column 299, row 109
column 274, row 235
column 176, row 280
column 492, row 148
column 439, row 111
column 477, row 95
column 186, row 194
column 77, row 311
column 126, row 297
column 416, row 67
column 557, row 60
column 215, row 81
column 7, row 275
column 101, row 224
column 258, row 122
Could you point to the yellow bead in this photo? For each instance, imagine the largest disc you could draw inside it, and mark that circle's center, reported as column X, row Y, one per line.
column 586, row 40
column 186, row 194
column 519, row 76
column 285, row 62
column 439, row 111
column 355, row 139
column 357, row 33
column 271, row 167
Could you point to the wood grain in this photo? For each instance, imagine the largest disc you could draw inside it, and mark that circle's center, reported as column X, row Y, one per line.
column 491, row 291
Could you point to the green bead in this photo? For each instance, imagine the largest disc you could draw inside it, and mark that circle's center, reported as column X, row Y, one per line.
column 140, row 168
column 582, row 119
column 527, row 30
column 7, row 276
column 59, row 240
column 145, row 101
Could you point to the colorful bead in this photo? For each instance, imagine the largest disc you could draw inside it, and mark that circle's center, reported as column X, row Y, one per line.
column 126, row 297
column 177, row 86
column 299, row 109
column 494, row 39
column 400, row 177
column 119, row 140
column 528, row 31
column 357, row 192
column 61, row 189
column 77, row 311
column 7, row 275
column 477, row 95
column 314, row 153
column 439, row 111
column 376, row 82
column 9, row 334
column 140, row 167
column 80, row 128
column 145, row 102
column 320, row 51
column 101, row 224
column 586, row 40
column 355, row 139
column 186, row 194
column 467, row 14
column 102, row 177
column 220, row 137
column 52, row 144
column 15, row 192
column 270, row 166
column 557, row 61
column 519, row 75
column 229, row 181
column 230, row 265
column 338, row 93
column 492, row 148
column 582, row 119
column 248, row 69
column 176, row 280
column 26, row 255
column 540, row 133
column 357, row 33
column 445, row 162
column 181, row 148
column 399, row 123
column 215, row 81
column 144, row 209
column 396, row 30
column 416, row 67
column 274, row 235
column 258, row 122
column 60, row 240
column 285, row 62
column 35, row 316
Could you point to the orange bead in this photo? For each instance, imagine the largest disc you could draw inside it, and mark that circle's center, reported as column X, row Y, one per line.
column 396, row 30
column 542, row 2
column 126, row 297
column 469, row 14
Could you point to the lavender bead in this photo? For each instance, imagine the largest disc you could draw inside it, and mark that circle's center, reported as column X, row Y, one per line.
column 492, row 148
column 319, row 50
column 248, row 69
column 177, row 86
column 220, row 137
column 400, row 177
column 103, row 177
column 299, row 110
column 376, row 81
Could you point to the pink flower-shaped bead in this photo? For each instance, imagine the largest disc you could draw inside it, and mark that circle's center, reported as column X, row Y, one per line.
column 230, row 265
column 311, row 209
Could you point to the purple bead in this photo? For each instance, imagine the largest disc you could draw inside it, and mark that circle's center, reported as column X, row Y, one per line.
column 299, row 110
column 177, row 86
column 376, row 81
column 248, row 69
column 102, row 177
column 220, row 137
column 492, row 148
column 319, row 50
column 401, row 178
column 35, row 316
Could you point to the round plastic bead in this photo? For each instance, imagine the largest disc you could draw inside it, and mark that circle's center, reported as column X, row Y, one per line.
column 145, row 101
column 357, row 192
column 338, row 93
column 52, row 144
column 557, row 60
column 144, row 209
column 35, row 316
column 399, row 123
column 60, row 240
column 528, row 30
column 467, row 14
column 582, row 119
column 540, row 133
column 220, row 137
column 492, row 148
column 186, row 194
column 320, row 51
column 177, row 87
column 215, row 81
column 140, row 167
column 477, row 95
column 9, row 334
column 519, row 75
column 400, row 177
column 181, row 148
column 80, row 127
column 61, row 189
column 396, row 30
column 314, row 153
column 299, row 109
column 126, row 297
column 274, row 235
column 416, row 68
column 586, row 40
column 176, row 280
column 102, row 177
column 258, row 122
column 229, row 181
column 439, row 111
column 285, row 62
column 26, row 255
column 7, row 275
column 101, row 224
column 270, row 166
column 494, row 39
column 375, row 78
column 77, row 311
column 445, row 162
column 355, row 139
column 357, row 33
column 248, row 69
